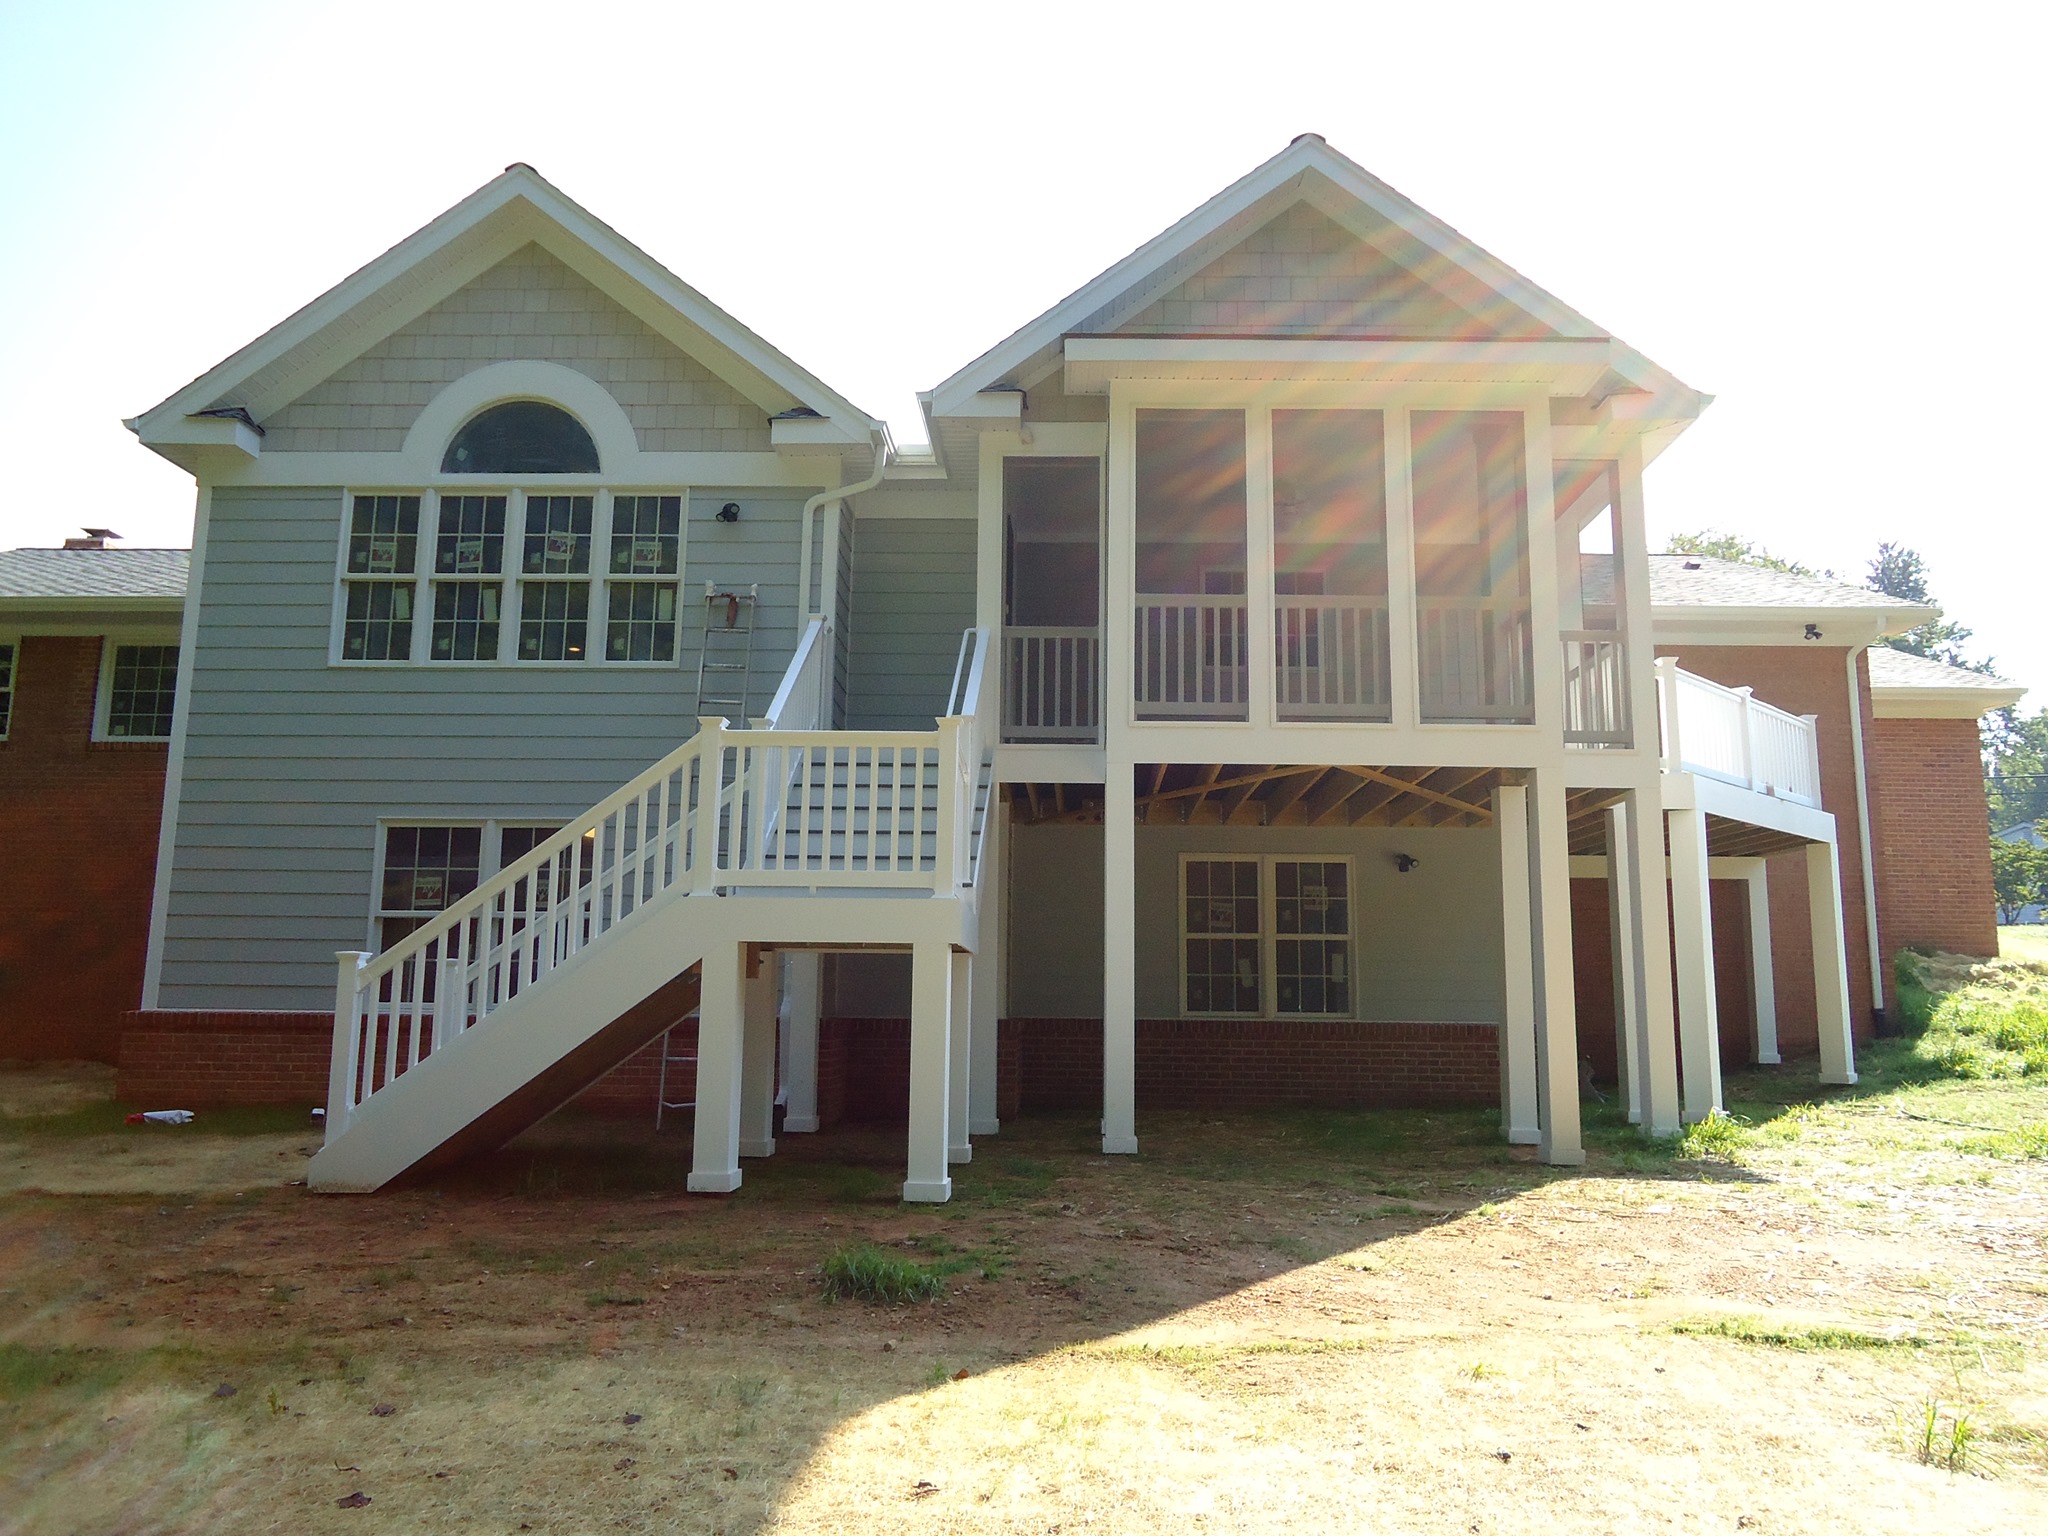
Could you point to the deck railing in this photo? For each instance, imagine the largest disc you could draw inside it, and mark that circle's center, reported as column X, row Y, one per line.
column 1727, row 734
column 728, row 809
column 1596, row 703
column 1052, row 683
column 1330, row 658
column 1190, row 661
column 1476, row 658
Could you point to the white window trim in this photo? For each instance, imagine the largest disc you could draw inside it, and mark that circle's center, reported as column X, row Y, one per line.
column 103, row 688
column 511, row 579
column 490, row 844
column 1268, row 936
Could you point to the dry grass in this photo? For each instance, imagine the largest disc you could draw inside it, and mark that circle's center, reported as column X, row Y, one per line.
column 1303, row 1322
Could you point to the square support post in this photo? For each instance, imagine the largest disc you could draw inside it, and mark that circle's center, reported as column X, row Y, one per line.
column 988, row 973
column 1830, row 964
column 959, row 1058
column 1692, row 929
column 1518, row 937
column 715, row 1153
column 1657, row 1039
column 1763, row 976
column 1557, row 1033
column 1119, row 961
column 931, row 1086
column 801, row 991
column 758, row 1057
column 1628, row 1001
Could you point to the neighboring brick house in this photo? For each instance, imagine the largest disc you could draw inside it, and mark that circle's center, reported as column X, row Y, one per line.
column 88, row 668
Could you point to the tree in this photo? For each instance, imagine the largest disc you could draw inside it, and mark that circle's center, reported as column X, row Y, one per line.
column 2019, row 876
column 2016, row 789
column 1728, row 546
column 1899, row 572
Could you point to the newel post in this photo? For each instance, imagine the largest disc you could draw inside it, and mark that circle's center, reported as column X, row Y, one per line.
column 1667, row 710
column 946, row 856
column 1749, row 773
column 346, row 1054
column 704, row 860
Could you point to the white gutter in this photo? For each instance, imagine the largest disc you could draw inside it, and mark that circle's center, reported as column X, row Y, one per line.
column 1863, row 836
column 880, row 438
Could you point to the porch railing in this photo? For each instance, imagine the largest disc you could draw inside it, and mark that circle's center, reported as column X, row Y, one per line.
column 1330, row 658
column 1596, row 704
column 1476, row 658
column 1052, row 683
column 1190, row 657
column 1727, row 734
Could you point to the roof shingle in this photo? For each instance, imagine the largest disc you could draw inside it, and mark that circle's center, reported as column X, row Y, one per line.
column 95, row 573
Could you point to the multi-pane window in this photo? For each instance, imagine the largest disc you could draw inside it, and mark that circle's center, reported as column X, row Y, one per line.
column 377, row 582
column 646, row 555
column 511, row 575
column 141, row 692
column 554, row 616
column 1266, row 936
column 425, row 868
column 469, row 562
column 6, row 687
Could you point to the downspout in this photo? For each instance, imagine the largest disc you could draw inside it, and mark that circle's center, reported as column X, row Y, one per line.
column 880, row 437
column 1863, row 838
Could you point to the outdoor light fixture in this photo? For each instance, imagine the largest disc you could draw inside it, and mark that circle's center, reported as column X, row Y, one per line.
column 730, row 513
column 1813, row 631
column 1405, row 862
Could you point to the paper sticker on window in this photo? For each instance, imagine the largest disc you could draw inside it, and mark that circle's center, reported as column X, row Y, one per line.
column 383, row 553
column 647, row 555
column 469, row 554
column 428, row 891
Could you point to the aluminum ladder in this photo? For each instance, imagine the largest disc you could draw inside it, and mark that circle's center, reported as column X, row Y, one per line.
column 727, row 650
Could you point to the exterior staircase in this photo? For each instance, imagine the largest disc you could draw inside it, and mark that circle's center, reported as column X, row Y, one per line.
column 516, row 998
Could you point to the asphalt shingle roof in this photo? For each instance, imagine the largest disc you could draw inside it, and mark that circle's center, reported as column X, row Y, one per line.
column 88, row 573
column 1902, row 669
column 1701, row 581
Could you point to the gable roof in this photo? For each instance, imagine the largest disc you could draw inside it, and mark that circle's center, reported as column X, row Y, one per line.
column 139, row 578
column 1310, row 170
column 225, row 406
column 1905, row 686
column 1704, row 581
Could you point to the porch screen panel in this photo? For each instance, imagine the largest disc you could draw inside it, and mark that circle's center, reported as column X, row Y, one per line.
column 1472, row 566
column 1330, row 565
column 1592, row 605
column 1220, row 919
column 1190, row 624
column 1052, row 599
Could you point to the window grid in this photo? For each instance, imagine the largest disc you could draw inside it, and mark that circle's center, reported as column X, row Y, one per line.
column 554, row 620
column 641, row 606
column 383, row 542
column 1244, row 920
column 143, row 691
column 469, row 558
column 6, row 687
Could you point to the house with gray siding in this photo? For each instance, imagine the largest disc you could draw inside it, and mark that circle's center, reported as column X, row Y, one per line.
column 1222, row 709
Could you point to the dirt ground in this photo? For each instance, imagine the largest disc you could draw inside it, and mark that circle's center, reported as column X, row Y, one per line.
column 1312, row 1321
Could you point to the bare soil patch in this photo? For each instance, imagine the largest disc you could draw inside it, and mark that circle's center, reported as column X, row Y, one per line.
column 1327, row 1321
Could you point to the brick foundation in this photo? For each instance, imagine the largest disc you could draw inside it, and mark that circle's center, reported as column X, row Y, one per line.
column 78, row 821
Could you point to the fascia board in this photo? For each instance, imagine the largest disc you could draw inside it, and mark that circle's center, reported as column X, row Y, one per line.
column 1567, row 365
column 16, row 610
column 1960, row 703
column 1840, row 627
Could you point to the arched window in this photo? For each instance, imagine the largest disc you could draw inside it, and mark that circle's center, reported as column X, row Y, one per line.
column 521, row 437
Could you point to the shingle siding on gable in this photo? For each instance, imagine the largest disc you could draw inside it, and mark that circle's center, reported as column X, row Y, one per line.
column 529, row 306
column 1301, row 274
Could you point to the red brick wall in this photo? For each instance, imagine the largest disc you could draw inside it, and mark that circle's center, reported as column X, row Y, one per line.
column 78, row 821
column 1933, row 852
column 1593, row 973
column 1809, row 679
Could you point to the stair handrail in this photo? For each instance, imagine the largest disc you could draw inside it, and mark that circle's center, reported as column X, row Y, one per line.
column 963, row 734
column 799, row 704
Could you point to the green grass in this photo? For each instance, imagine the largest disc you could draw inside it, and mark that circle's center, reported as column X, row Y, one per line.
column 1750, row 1330
column 111, row 1120
column 1976, row 1022
column 1718, row 1138
column 863, row 1272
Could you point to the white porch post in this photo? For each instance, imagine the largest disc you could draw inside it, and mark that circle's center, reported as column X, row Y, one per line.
column 1518, row 936
column 1628, row 1003
column 1119, row 961
column 1692, row 925
column 1557, row 1034
column 1763, row 978
column 801, row 991
column 988, row 974
column 715, row 1154
column 959, row 1056
column 931, row 1088
column 757, row 1060
column 1830, row 963
column 1656, row 1038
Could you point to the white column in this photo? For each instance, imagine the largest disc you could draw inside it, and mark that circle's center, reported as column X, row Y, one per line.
column 1763, row 978
column 715, row 1156
column 959, row 1057
column 1830, row 963
column 1628, row 1006
column 988, row 974
column 801, row 991
column 931, row 1088
column 1557, row 1034
column 1692, row 928
column 1656, row 1039
column 1518, row 936
column 1119, row 962
column 757, row 1061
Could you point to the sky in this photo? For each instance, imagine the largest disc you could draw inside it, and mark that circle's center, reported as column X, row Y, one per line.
column 1826, row 216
